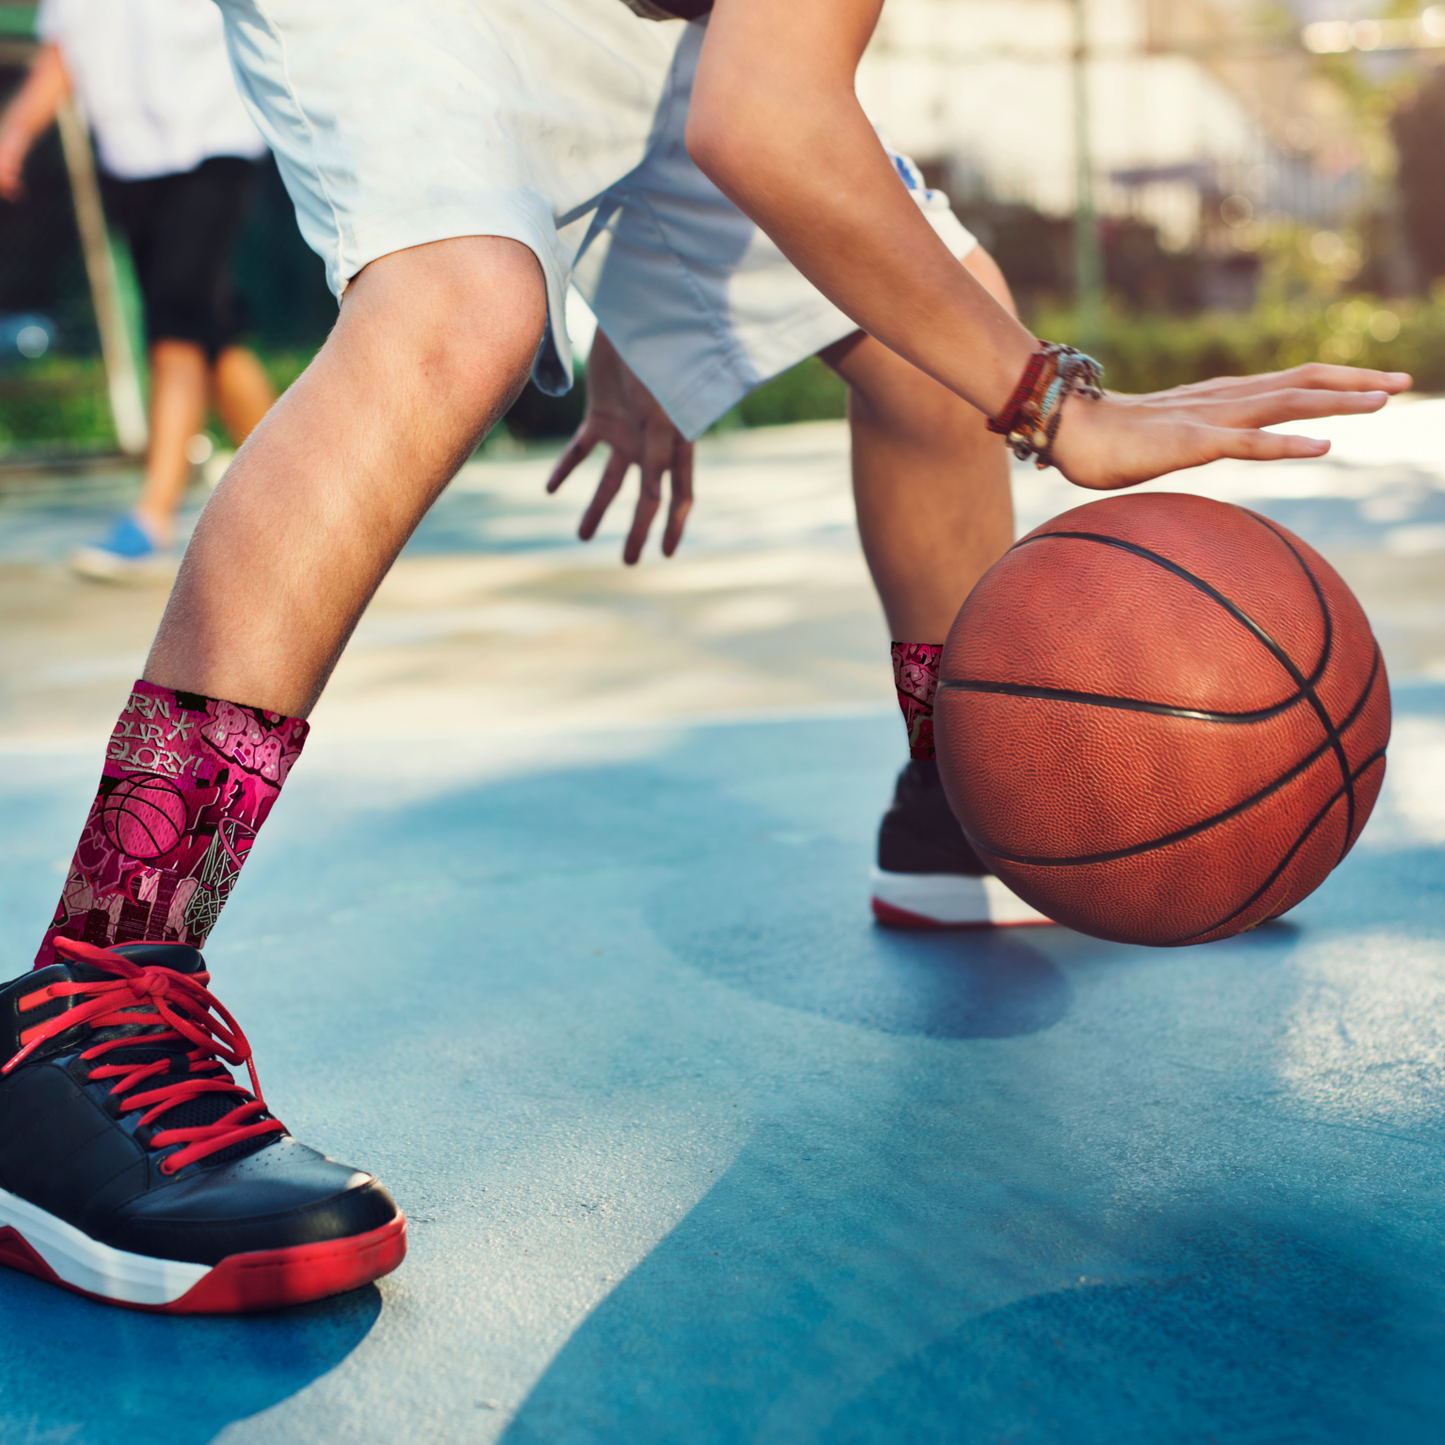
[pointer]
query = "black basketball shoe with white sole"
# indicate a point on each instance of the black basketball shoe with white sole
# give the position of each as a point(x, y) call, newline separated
point(928, 876)
point(135, 1170)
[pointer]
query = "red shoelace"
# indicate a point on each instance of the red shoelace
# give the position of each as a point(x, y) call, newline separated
point(188, 1013)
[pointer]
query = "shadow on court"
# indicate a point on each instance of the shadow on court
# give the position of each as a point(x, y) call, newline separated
point(1139, 1232)
point(1262, 1329)
point(761, 927)
point(694, 1153)
point(75, 1371)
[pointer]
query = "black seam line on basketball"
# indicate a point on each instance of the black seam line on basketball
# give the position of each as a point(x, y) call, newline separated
point(1213, 593)
point(1240, 615)
point(1328, 621)
point(1284, 862)
point(1203, 826)
point(1123, 704)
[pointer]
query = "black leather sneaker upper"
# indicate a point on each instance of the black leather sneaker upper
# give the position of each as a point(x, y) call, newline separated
point(72, 1145)
point(919, 833)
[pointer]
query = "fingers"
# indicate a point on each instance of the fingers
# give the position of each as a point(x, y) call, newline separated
point(578, 450)
point(663, 451)
point(681, 503)
point(1314, 376)
point(1320, 376)
point(1264, 446)
point(1103, 446)
point(1281, 406)
point(656, 459)
point(607, 489)
point(648, 502)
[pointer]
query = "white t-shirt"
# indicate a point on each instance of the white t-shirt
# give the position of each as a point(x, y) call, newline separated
point(155, 82)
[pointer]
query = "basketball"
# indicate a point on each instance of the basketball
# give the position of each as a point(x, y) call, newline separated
point(1162, 719)
point(144, 816)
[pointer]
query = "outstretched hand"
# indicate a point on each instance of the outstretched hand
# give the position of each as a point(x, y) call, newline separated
point(1122, 440)
point(625, 415)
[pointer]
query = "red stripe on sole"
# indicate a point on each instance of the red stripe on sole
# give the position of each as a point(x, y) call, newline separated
point(244, 1283)
point(15, 1251)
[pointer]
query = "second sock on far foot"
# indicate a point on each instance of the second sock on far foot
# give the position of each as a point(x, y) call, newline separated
point(915, 676)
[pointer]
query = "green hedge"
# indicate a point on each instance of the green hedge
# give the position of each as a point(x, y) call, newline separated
point(811, 391)
point(1150, 353)
point(55, 399)
point(62, 398)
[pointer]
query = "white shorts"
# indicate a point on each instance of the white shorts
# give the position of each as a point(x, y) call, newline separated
point(559, 124)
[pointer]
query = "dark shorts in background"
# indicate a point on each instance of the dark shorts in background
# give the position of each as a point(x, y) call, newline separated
point(182, 229)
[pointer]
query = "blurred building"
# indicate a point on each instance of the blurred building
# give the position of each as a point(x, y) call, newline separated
point(1205, 115)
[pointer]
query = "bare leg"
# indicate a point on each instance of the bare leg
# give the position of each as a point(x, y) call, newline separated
point(242, 390)
point(931, 483)
point(431, 346)
point(178, 412)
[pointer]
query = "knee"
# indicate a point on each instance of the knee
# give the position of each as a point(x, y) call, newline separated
point(898, 401)
point(460, 319)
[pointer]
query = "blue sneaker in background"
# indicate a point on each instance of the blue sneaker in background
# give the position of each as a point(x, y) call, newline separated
point(126, 554)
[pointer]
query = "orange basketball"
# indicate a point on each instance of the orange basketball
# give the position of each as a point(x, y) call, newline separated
point(1162, 719)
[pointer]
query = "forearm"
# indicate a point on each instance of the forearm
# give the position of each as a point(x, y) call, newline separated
point(35, 104)
point(776, 125)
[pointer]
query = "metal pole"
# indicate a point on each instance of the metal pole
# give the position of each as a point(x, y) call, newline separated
point(1088, 262)
point(127, 406)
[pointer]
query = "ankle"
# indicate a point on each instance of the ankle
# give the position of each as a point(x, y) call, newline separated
point(915, 676)
point(187, 784)
point(159, 527)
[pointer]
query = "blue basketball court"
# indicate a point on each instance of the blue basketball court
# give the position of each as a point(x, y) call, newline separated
point(692, 1152)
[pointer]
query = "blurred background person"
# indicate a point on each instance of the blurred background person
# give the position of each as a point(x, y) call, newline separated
point(178, 159)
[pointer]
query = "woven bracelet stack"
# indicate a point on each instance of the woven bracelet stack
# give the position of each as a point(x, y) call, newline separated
point(1030, 421)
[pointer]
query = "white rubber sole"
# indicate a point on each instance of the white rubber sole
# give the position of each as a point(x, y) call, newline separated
point(949, 900)
point(39, 1244)
point(102, 566)
point(94, 1268)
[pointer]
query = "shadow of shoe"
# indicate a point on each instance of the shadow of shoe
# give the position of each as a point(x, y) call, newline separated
point(72, 1370)
point(757, 923)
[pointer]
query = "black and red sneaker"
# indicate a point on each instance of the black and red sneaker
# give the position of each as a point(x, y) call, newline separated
point(928, 875)
point(135, 1170)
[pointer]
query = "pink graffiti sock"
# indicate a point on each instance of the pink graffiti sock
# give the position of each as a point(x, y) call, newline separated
point(915, 675)
point(188, 782)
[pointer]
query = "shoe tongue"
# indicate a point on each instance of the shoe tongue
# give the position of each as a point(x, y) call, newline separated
point(178, 957)
point(174, 957)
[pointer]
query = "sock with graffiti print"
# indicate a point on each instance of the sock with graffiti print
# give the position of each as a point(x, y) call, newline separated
point(188, 782)
point(915, 677)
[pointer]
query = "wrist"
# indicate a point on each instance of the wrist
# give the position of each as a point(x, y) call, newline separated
point(1089, 444)
point(1031, 417)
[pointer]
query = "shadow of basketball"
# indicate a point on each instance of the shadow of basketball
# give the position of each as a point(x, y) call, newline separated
point(756, 922)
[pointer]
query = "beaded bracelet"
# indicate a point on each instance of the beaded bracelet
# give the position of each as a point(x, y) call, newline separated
point(1030, 421)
